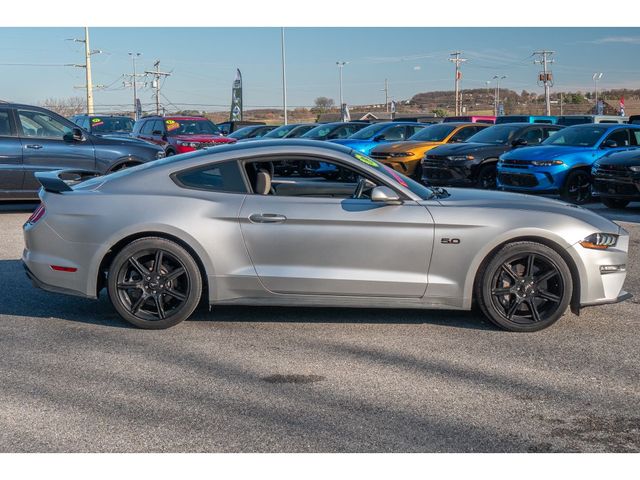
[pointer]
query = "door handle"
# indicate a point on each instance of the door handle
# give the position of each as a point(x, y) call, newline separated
point(267, 218)
point(34, 146)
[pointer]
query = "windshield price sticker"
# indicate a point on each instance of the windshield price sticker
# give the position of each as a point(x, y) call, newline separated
point(171, 124)
point(96, 122)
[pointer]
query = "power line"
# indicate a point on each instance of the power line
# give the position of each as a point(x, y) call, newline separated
point(157, 74)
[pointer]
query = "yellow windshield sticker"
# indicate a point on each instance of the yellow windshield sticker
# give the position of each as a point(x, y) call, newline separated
point(171, 124)
point(96, 122)
point(367, 160)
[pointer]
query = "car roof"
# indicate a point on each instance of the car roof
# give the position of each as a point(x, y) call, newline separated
point(609, 126)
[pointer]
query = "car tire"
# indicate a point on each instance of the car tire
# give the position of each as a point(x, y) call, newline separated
point(577, 187)
point(524, 287)
point(614, 202)
point(154, 283)
point(486, 178)
point(170, 153)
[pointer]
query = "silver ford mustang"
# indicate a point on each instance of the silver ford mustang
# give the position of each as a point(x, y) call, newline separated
point(223, 225)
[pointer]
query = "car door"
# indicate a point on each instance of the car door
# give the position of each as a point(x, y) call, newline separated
point(44, 148)
point(326, 245)
point(11, 168)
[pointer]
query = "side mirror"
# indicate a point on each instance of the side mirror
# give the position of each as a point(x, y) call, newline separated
point(520, 142)
point(610, 144)
point(75, 135)
point(385, 195)
point(378, 138)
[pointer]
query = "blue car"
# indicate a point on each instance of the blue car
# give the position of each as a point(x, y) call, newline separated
point(369, 137)
point(527, 119)
point(562, 164)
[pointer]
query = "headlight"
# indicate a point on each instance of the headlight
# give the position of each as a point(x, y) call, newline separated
point(546, 163)
point(461, 158)
point(189, 144)
point(402, 154)
point(600, 241)
point(635, 168)
point(160, 154)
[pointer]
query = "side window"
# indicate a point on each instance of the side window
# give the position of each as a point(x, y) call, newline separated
point(146, 127)
point(413, 129)
point(84, 123)
point(394, 133)
point(39, 124)
point(462, 134)
point(547, 132)
point(620, 136)
point(635, 137)
point(5, 124)
point(331, 180)
point(158, 126)
point(221, 177)
point(533, 136)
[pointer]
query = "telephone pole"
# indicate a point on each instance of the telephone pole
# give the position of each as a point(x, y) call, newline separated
point(496, 98)
point(157, 75)
point(386, 95)
point(455, 58)
point(134, 82)
point(545, 77)
point(87, 66)
point(596, 77)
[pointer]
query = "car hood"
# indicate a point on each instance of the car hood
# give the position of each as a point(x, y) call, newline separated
point(405, 146)
point(627, 158)
point(203, 138)
point(122, 136)
point(466, 148)
point(545, 152)
point(125, 141)
point(469, 197)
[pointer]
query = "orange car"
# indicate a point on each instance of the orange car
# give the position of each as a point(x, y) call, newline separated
point(405, 156)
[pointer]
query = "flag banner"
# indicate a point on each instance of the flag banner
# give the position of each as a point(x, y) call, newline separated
point(622, 107)
point(138, 113)
point(346, 116)
point(600, 108)
point(236, 98)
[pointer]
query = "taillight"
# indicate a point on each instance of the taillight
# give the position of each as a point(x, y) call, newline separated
point(37, 214)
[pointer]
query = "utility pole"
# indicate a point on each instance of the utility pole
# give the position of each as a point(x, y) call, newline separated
point(87, 66)
point(341, 65)
point(157, 75)
point(545, 77)
point(496, 98)
point(455, 58)
point(284, 78)
point(134, 83)
point(596, 77)
point(386, 95)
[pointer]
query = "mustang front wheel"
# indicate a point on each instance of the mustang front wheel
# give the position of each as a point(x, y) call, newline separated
point(154, 283)
point(525, 287)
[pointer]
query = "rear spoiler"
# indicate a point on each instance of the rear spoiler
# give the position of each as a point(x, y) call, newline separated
point(59, 181)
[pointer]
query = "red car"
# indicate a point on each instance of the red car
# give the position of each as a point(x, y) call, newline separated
point(178, 134)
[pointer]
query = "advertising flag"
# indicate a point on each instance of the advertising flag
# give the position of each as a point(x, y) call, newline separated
point(622, 106)
point(236, 98)
point(138, 114)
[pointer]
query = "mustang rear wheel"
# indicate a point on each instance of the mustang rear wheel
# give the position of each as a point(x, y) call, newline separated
point(525, 287)
point(154, 283)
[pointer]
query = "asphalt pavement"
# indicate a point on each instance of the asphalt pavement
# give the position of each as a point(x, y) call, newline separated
point(75, 378)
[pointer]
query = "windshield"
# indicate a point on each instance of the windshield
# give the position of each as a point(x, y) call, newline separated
point(578, 136)
point(417, 188)
point(497, 135)
point(280, 132)
point(193, 126)
point(241, 133)
point(320, 131)
point(111, 125)
point(434, 133)
point(368, 132)
point(300, 131)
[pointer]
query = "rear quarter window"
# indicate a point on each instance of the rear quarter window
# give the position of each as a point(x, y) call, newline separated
point(219, 177)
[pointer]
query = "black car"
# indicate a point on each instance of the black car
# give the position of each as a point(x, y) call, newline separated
point(473, 163)
point(34, 139)
point(105, 125)
point(334, 130)
point(299, 130)
point(252, 132)
point(616, 178)
point(229, 127)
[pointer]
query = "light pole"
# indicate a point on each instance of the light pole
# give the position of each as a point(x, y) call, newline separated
point(497, 78)
point(596, 76)
point(340, 67)
point(284, 77)
point(135, 92)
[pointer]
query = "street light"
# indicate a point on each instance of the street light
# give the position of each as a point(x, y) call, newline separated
point(135, 93)
point(497, 78)
point(596, 76)
point(340, 67)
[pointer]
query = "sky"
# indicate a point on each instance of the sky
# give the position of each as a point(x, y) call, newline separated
point(203, 62)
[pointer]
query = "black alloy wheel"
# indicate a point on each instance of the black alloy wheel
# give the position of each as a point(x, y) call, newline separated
point(154, 283)
point(525, 287)
point(486, 179)
point(577, 187)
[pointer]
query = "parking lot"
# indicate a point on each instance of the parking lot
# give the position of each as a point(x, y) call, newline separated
point(74, 377)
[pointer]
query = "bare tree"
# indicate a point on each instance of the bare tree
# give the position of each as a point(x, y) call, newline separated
point(322, 104)
point(66, 106)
